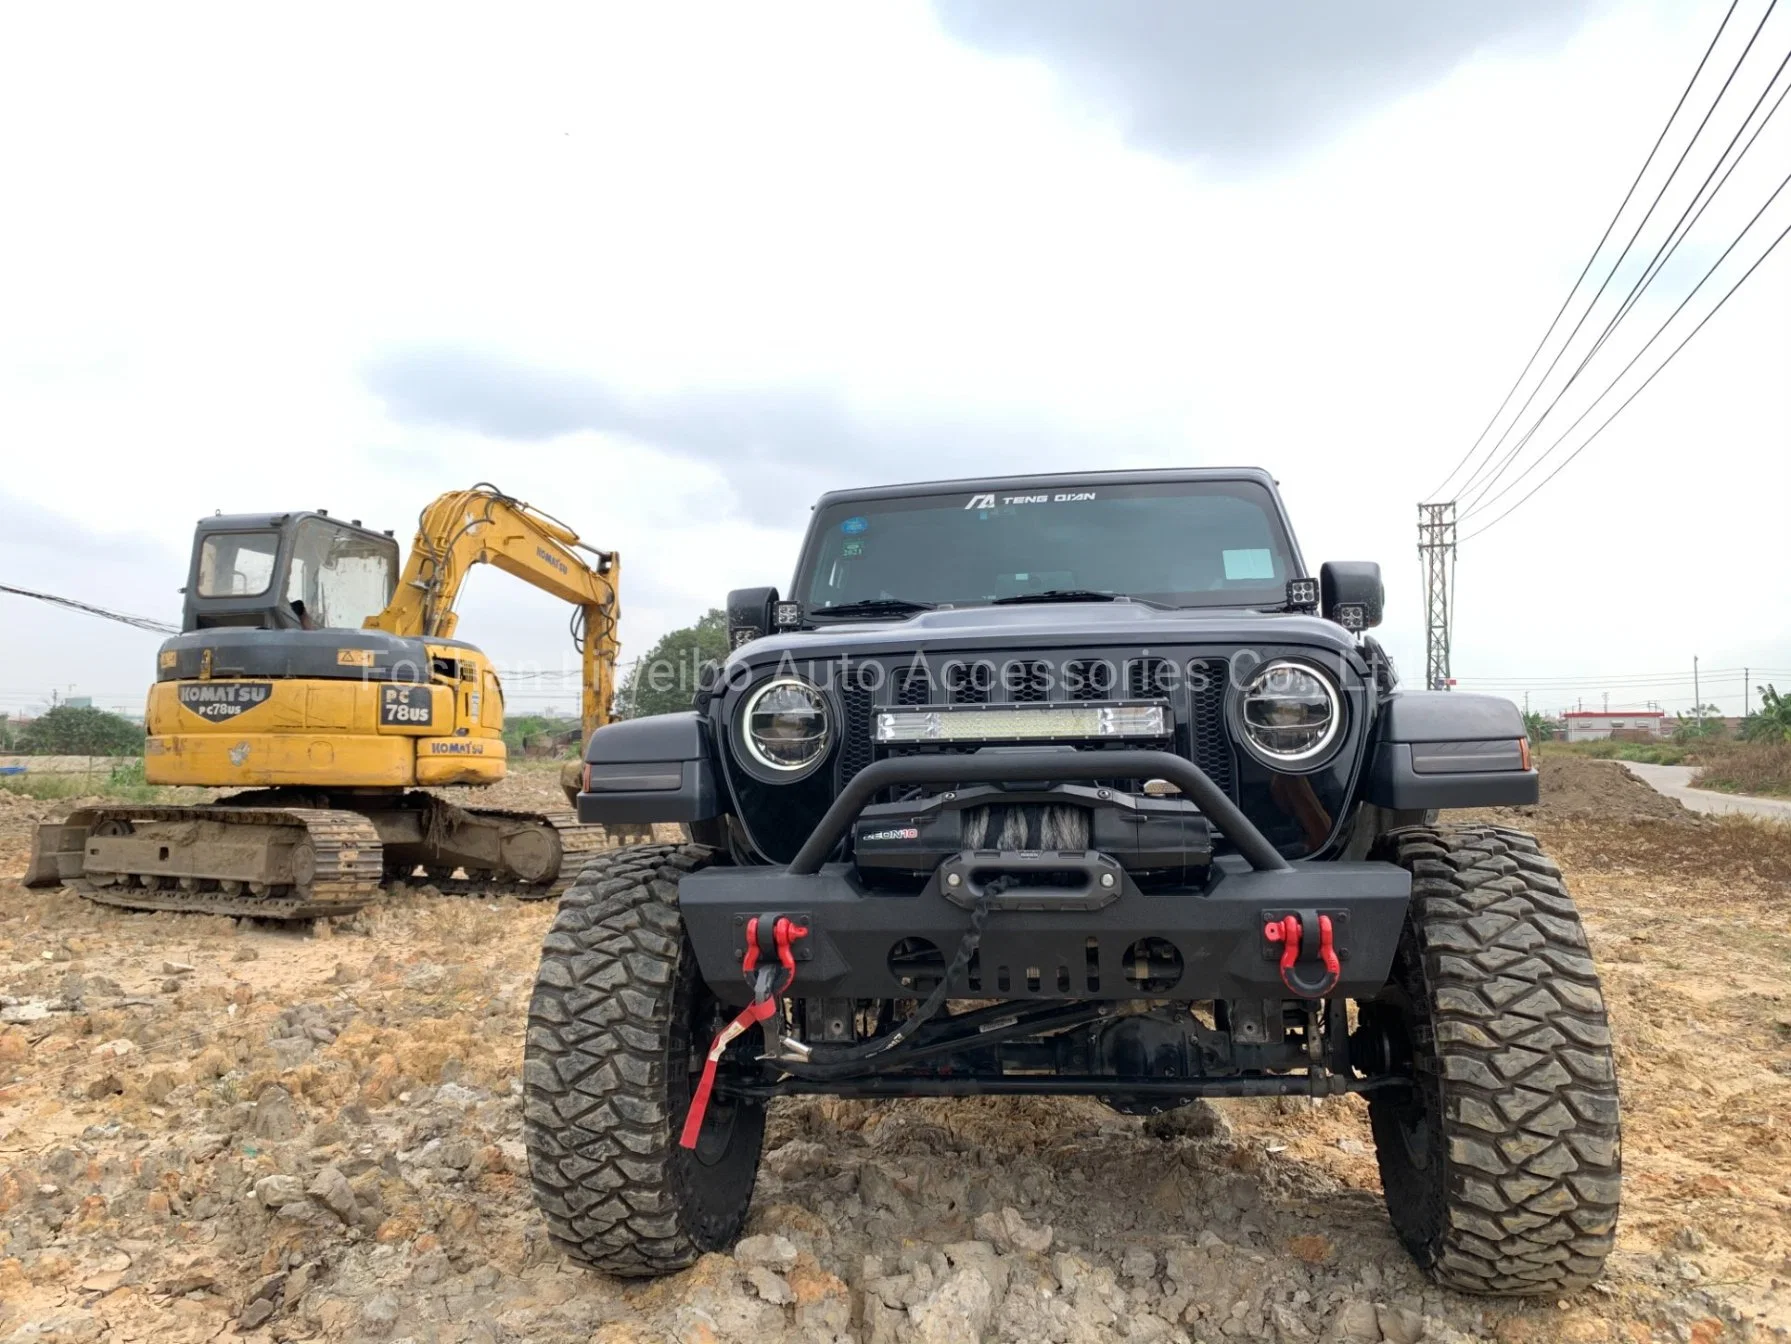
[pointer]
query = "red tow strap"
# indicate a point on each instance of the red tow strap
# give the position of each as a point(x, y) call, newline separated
point(784, 934)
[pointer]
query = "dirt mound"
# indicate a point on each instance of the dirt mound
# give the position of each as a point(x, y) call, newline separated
point(1577, 789)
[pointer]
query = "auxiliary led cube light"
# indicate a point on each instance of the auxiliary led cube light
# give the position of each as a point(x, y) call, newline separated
point(1022, 723)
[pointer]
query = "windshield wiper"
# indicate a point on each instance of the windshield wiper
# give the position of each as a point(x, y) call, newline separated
point(875, 606)
point(1056, 595)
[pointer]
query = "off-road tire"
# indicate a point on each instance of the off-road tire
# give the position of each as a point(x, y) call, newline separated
point(618, 1027)
point(1501, 1166)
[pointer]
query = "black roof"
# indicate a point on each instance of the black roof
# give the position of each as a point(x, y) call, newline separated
point(1021, 481)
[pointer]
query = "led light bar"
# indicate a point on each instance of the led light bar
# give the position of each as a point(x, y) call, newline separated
point(1021, 723)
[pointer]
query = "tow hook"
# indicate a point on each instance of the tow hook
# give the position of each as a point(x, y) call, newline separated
point(1309, 964)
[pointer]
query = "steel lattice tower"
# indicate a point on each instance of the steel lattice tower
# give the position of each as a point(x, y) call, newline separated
point(1436, 551)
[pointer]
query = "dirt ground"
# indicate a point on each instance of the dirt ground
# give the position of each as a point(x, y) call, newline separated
point(211, 1128)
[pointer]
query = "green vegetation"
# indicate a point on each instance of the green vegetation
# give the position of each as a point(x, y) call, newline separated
point(665, 680)
point(79, 730)
point(1539, 726)
point(1772, 721)
point(1759, 767)
point(123, 782)
point(1608, 749)
point(540, 735)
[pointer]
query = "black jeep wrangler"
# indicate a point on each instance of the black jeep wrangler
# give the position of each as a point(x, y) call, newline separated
point(1072, 784)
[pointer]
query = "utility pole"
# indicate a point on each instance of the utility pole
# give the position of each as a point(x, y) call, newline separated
point(1607, 702)
point(1436, 553)
point(1697, 695)
point(1747, 691)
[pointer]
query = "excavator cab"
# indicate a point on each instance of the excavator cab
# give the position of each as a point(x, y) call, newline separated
point(288, 571)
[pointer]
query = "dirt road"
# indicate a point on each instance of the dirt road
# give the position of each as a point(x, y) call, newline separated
point(1675, 781)
point(210, 1128)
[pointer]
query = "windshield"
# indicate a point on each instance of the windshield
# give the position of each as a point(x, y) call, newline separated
point(340, 577)
point(1182, 543)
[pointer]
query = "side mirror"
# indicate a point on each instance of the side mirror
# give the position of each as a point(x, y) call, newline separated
point(750, 614)
point(1351, 593)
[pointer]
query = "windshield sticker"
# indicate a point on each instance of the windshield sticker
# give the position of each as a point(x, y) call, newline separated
point(853, 526)
point(1251, 564)
point(851, 549)
point(1003, 501)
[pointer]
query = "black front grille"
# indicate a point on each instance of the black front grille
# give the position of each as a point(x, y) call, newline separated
point(1197, 699)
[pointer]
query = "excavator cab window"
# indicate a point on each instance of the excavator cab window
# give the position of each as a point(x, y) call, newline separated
point(237, 564)
point(340, 575)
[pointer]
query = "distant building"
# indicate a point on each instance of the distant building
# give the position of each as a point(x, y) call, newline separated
point(1588, 725)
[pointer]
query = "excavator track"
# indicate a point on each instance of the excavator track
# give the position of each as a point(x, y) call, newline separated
point(578, 842)
point(332, 860)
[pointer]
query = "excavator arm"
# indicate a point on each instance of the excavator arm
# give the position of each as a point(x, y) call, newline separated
point(484, 526)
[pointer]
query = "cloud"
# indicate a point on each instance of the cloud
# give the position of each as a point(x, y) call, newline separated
point(777, 447)
point(1236, 85)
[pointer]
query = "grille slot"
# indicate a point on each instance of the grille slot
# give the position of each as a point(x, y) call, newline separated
point(856, 748)
point(1211, 743)
point(970, 683)
point(914, 686)
point(1150, 678)
point(1027, 683)
point(1090, 679)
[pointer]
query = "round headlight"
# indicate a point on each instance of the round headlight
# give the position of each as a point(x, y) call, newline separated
point(1290, 714)
point(784, 725)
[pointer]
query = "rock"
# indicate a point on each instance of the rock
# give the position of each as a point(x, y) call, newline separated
point(1290, 1326)
point(176, 968)
point(980, 1256)
point(275, 1116)
point(1400, 1325)
point(796, 1159)
point(255, 1314)
point(331, 1189)
point(276, 1190)
point(771, 1252)
point(1197, 1120)
point(379, 1313)
point(106, 1085)
point(1138, 1264)
point(115, 1049)
point(20, 1013)
point(1010, 1231)
point(1690, 1239)
point(958, 1312)
point(458, 1094)
point(1354, 1323)
point(769, 1285)
point(245, 954)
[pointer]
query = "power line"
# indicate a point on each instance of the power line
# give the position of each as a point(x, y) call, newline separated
point(1504, 463)
point(1587, 268)
point(1626, 368)
point(139, 622)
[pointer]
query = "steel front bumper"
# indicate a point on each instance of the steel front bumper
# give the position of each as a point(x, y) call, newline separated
point(1187, 944)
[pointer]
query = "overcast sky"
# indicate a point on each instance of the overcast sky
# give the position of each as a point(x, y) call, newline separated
point(671, 270)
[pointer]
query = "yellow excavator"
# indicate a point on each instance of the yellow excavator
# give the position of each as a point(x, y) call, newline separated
point(326, 683)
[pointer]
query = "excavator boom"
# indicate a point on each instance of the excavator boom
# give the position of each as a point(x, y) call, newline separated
point(464, 528)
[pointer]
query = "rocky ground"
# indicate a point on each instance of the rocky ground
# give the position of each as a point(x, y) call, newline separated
point(212, 1128)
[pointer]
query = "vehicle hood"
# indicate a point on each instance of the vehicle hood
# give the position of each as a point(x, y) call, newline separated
point(1046, 625)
